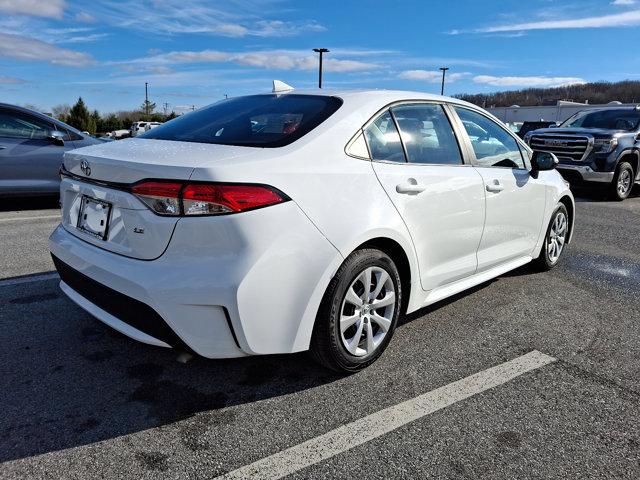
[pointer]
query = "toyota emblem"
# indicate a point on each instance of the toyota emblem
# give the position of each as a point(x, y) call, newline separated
point(84, 166)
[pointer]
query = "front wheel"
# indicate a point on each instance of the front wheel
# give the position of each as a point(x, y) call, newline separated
point(622, 181)
point(358, 313)
point(555, 239)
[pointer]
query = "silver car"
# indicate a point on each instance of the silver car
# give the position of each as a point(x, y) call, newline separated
point(31, 149)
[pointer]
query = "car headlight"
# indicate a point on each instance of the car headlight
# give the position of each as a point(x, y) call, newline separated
point(605, 145)
point(527, 138)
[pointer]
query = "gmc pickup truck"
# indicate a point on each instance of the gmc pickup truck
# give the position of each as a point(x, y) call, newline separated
point(597, 147)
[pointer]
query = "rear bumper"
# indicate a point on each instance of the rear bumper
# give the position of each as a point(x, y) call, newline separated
point(583, 174)
point(225, 287)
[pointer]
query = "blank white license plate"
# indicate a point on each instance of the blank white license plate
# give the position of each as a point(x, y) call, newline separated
point(94, 217)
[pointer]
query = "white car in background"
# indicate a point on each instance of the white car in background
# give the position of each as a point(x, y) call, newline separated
point(291, 221)
point(138, 128)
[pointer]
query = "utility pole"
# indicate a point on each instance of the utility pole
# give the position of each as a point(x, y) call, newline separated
point(320, 51)
point(444, 70)
point(146, 98)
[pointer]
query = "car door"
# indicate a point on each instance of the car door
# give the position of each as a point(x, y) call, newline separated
point(418, 161)
point(29, 160)
point(515, 201)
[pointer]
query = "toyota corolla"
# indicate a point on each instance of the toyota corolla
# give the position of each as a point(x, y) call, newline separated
point(295, 221)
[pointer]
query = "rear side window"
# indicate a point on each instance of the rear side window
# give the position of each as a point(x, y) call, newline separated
point(251, 121)
point(427, 134)
point(383, 139)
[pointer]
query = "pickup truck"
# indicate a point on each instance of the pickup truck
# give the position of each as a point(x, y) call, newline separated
point(596, 148)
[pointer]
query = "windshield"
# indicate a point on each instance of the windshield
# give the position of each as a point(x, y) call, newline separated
point(252, 121)
point(607, 119)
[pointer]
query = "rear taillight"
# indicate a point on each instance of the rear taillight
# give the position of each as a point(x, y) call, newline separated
point(161, 197)
point(173, 198)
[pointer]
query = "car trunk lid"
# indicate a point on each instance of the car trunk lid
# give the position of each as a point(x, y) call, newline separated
point(98, 206)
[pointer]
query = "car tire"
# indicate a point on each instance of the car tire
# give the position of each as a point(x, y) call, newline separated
point(554, 240)
point(347, 347)
point(622, 181)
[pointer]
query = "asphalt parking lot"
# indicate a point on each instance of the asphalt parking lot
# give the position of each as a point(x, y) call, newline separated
point(532, 375)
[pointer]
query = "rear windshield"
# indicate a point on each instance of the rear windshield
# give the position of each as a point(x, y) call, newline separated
point(616, 119)
point(251, 121)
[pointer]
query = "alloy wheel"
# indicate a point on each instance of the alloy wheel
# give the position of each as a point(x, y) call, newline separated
point(557, 236)
point(624, 182)
point(367, 311)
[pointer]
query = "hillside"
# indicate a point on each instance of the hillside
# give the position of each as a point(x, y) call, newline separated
point(627, 91)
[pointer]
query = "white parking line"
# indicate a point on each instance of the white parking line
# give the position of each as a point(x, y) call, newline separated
point(32, 278)
point(41, 217)
point(372, 426)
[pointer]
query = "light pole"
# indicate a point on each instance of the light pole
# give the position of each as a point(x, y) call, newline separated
point(146, 98)
point(444, 70)
point(320, 51)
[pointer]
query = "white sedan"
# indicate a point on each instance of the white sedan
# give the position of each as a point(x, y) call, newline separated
point(295, 221)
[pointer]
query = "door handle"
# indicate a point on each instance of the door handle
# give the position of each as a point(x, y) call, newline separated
point(495, 186)
point(2, 147)
point(410, 187)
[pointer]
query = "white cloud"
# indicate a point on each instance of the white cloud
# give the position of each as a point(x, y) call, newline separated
point(625, 19)
point(238, 18)
point(431, 76)
point(11, 81)
point(85, 17)
point(273, 60)
point(29, 49)
point(36, 8)
point(623, 2)
point(527, 81)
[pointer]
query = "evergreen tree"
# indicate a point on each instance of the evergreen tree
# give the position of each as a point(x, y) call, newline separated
point(80, 117)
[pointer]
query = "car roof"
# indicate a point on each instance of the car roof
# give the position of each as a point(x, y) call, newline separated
point(381, 95)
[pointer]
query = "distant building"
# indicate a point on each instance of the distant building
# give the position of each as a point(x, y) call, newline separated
point(553, 113)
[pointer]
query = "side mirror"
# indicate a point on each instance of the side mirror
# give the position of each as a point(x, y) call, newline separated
point(56, 137)
point(541, 161)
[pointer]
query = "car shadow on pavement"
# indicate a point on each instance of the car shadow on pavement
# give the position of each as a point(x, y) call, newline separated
point(29, 203)
point(68, 380)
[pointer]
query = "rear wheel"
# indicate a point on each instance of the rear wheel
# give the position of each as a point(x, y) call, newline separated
point(555, 239)
point(622, 181)
point(358, 313)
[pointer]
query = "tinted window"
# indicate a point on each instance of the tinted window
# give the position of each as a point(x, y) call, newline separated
point(383, 139)
point(427, 134)
point(616, 119)
point(492, 144)
point(255, 121)
point(15, 124)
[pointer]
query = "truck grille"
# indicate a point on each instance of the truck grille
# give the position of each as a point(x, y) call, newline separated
point(564, 146)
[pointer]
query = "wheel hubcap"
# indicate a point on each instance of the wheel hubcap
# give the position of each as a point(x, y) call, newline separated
point(556, 238)
point(367, 311)
point(624, 182)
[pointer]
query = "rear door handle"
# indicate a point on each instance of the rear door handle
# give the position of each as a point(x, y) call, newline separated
point(410, 187)
point(2, 147)
point(495, 186)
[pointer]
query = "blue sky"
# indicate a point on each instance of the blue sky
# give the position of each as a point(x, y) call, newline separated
point(193, 52)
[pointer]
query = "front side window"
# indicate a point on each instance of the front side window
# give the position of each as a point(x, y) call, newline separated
point(383, 139)
point(492, 144)
point(251, 121)
point(21, 125)
point(427, 134)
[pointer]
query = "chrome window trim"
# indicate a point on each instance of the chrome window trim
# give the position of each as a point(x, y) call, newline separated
point(465, 160)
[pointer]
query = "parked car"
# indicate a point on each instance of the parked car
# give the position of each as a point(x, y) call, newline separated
point(138, 128)
point(596, 148)
point(284, 222)
point(527, 127)
point(31, 149)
